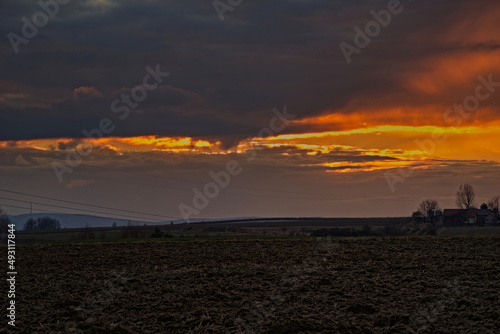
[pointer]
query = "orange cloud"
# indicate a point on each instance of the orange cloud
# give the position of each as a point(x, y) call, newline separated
point(86, 91)
point(475, 23)
point(470, 47)
point(118, 144)
point(415, 116)
point(403, 143)
point(78, 183)
point(438, 74)
point(388, 146)
point(177, 144)
point(350, 167)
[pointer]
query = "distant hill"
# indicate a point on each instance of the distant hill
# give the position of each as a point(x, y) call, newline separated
point(74, 221)
point(78, 221)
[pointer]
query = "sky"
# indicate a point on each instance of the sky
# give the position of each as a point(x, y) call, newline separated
point(214, 109)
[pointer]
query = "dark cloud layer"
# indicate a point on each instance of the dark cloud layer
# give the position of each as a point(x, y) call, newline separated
point(225, 76)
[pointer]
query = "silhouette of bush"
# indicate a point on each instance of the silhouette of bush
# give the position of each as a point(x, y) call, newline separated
point(367, 229)
point(30, 224)
point(4, 224)
point(43, 223)
point(159, 234)
point(339, 232)
point(390, 230)
point(87, 233)
point(130, 231)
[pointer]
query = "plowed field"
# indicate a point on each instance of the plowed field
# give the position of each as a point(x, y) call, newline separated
point(365, 285)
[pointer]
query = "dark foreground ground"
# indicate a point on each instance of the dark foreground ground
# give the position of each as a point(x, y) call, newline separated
point(363, 285)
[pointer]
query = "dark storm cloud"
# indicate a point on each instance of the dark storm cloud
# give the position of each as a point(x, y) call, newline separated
point(166, 111)
point(225, 77)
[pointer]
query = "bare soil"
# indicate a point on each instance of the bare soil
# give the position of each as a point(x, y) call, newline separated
point(357, 285)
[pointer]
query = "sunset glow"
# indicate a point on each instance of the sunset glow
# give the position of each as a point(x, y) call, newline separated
point(231, 166)
point(275, 97)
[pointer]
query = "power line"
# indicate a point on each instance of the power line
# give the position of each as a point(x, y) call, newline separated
point(192, 182)
point(84, 204)
point(185, 189)
point(77, 209)
point(21, 207)
point(60, 213)
point(142, 174)
point(323, 196)
point(331, 196)
point(198, 182)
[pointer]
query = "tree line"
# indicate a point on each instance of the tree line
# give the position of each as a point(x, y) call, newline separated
point(42, 223)
point(465, 198)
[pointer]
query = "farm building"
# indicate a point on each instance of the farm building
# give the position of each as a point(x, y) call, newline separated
point(459, 217)
point(492, 218)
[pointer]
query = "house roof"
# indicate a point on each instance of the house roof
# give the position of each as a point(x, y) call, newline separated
point(469, 212)
point(472, 213)
point(450, 212)
point(483, 212)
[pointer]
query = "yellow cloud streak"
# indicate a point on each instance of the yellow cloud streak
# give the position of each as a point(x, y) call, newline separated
point(400, 142)
point(140, 143)
point(396, 145)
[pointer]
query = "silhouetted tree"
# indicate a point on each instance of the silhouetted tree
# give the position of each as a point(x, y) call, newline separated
point(130, 231)
point(484, 206)
point(157, 233)
point(466, 196)
point(367, 229)
point(493, 203)
point(42, 223)
point(30, 224)
point(428, 204)
point(45, 223)
point(417, 217)
point(4, 223)
point(88, 233)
